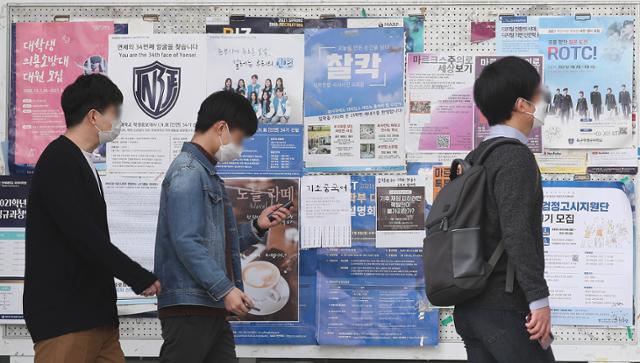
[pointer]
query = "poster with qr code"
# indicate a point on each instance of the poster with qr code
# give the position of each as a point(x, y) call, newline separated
point(440, 97)
point(353, 99)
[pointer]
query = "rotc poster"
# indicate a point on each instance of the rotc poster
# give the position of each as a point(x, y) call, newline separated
point(353, 99)
point(588, 68)
point(161, 78)
point(13, 211)
point(480, 124)
point(440, 98)
point(589, 252)
point(268, 69)
point(46, 58)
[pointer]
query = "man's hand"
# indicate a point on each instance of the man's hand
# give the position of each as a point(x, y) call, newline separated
point(237, 302)
point(539, 326)
point(279, 214)
point(154, 289)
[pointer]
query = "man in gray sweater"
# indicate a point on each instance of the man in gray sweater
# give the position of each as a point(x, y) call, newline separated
point(501, 326)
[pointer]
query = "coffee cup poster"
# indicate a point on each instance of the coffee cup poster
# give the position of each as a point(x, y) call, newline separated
point(588, 73)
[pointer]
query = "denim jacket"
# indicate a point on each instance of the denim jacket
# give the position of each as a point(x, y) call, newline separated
point(190, 238)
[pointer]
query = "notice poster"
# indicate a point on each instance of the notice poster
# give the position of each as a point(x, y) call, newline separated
point(440, 98)
point(13, 211)
point(270, 270)
point(554, 161)
point(400, 211)
point(588, 68)
point(480, 124)
point(254, 25)
point(614, 161)
point(46, 58)
point(588, 236)
point(365, 68)
point(163, 82)
point(326, 211)
point(363, 209)
point(268, 69)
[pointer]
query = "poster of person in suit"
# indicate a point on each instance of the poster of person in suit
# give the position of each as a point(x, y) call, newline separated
point(591, 54)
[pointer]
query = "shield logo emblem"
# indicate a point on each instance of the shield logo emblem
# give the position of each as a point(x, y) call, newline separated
point(156, 88)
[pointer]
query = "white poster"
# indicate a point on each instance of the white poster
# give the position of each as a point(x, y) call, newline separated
point(11, 301)
point(326, 211)
point(400, 211)
point(588, 238)
point(163, 80)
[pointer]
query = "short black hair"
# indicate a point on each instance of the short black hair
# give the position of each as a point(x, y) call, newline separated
point(500, 84)
point(565, 89)
point(231, 107)
point(88, 92)
point(254, 76)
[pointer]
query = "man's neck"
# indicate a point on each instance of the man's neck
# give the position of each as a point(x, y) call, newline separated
point(78, 137)
point(518, 126)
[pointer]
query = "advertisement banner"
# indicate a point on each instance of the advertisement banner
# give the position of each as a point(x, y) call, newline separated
point(588, 69)
point(364, 67)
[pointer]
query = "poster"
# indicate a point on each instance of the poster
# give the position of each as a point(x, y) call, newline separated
point(400, 211)
point(276, 261)
point(440, 98)
point(372, 296)
point(326, 211)
point(365, 68)
point(14, 191)
point(555, 161)
point(161, 78)
point(254, 25)
point(614, 161)
point(588, 68)
point(46, 58)
point(481, 126)
point(589, 252)
point(268, 69)
point(132, 214)
point(482, 31)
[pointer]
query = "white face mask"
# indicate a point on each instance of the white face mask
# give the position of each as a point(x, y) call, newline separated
point(228, 152)
point(539, 114)
point(108, 136)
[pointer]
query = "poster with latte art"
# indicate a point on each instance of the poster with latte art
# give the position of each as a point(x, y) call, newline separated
point(269, 269)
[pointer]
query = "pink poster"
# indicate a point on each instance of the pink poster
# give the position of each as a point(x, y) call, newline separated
point(48, 57)
point(440, 99)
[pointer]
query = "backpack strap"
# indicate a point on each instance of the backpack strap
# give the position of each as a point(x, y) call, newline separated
point(498, 141)
point(493, 260)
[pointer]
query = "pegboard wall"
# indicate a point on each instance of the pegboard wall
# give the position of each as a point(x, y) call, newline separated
point(447, 28)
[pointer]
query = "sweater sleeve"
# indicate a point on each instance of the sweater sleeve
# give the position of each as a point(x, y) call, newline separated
point(64, 199)
point(516, 185)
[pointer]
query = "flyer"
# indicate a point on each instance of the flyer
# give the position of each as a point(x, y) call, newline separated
point(555, 161)
point(614, 161)
point(363, 210)
point(14, 191)
point(254, 25)
point(326, 211)
point(589, 252)
point(270, 270)
point(46, 58)
point(353, 99)
point(588, 68)
point(481, 126)
point(161, 78)
point(268, 69)
point(400, 211)
point(374, 297)
point(440, 98)
point(482, 31)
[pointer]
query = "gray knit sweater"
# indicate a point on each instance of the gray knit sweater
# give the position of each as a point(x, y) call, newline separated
point(513, 214)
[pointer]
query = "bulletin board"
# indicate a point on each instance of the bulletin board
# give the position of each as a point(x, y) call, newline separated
point(447, 28)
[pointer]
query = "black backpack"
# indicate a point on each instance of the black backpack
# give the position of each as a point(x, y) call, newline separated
point(455, 269)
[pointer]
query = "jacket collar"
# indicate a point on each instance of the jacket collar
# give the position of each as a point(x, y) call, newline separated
point(198, 155)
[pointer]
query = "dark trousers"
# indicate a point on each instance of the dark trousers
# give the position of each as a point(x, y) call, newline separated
point(498, 336)
point(197, 339)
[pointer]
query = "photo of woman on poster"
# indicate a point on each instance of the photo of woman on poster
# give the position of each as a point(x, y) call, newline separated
point(268, 87)
point(241, 89)
point(255, 103)
point(266, 111)
point(280, 84)
point(228, 85)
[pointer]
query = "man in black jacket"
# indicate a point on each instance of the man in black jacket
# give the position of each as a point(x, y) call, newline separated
point(497, 325)
point(69, 293)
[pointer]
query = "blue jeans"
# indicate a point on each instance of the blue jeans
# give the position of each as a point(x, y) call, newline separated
point(498, 336)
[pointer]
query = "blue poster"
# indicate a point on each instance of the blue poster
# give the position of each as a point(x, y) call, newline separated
point(363, 210)
point(588, 75)
point(353, 99)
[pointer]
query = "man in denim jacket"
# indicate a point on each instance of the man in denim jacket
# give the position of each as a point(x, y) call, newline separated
point(198, 243)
